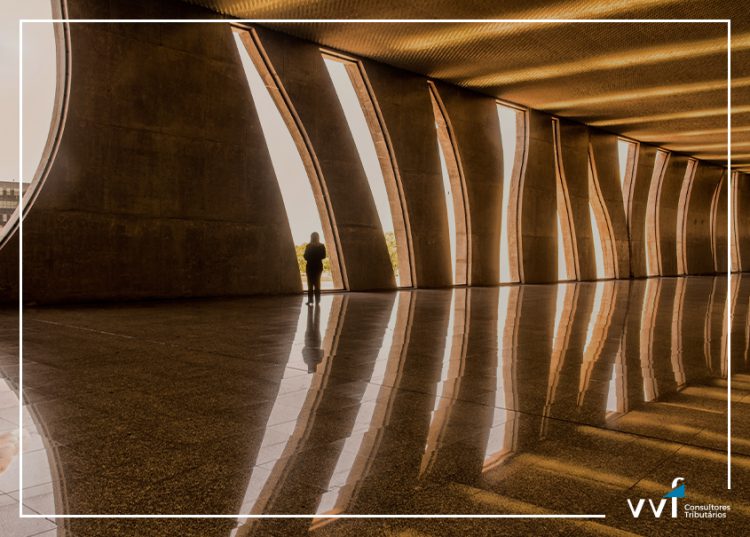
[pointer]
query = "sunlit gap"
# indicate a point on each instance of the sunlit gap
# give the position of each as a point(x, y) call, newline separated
point(508, 122)
point(279, 441)
point(562, 264)
point(353, 449)
point(355, 118)
point(448, 191)
point(39, 87)
point(593, 338)
point(299, 200)
point(623, 154)
point(450, 374)
point(598, 247)
point(501, 438)
point(612, 405)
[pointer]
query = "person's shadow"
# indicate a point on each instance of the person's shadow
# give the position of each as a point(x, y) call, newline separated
point(312, 353)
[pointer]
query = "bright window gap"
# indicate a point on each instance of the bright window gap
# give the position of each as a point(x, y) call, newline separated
point(294, 183)
point(355, 118)
point(508, 120)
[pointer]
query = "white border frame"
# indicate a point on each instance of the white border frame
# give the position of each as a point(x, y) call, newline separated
point(21, 22)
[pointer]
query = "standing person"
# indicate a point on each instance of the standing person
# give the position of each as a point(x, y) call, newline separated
point(315, 253)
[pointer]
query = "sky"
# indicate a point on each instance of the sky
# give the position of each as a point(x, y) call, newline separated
point(39, 84)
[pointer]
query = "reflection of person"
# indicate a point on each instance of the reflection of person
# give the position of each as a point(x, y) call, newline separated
point(312, 353)
point(314, 255)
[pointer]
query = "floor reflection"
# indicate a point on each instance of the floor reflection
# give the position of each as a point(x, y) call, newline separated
point(518, 399)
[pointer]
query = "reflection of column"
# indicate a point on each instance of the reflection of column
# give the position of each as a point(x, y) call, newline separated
point(264, 484)
point(375, 414)
point(631, 343)
point(572, 314)
point(454, 364)
point(676, 340)
point(647, 336)
point(532, 349)
point(458, 438)
point(714, 327)
point(693, 339)
point(502, 437)
point(606, 340)
point(409, 404)
point(358, 343)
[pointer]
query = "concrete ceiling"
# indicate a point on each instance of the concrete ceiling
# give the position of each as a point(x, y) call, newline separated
point(662, 83)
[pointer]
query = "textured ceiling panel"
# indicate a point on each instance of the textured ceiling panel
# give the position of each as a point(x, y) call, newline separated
point(657, 82)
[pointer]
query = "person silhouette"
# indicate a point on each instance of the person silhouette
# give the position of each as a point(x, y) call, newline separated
point(315, 253)
point(312, 352)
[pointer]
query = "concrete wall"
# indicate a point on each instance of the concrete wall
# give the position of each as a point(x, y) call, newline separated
point(162, 185)
point(476, 130)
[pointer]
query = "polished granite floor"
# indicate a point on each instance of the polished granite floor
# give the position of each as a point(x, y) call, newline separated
point(537, 399)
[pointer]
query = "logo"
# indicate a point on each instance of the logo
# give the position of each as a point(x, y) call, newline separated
point(689, 510)
point(678, 491)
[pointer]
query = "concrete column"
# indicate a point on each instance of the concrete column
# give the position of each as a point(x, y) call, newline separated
point(719, 225)
point(572, 143)
point(741, 184)
point(300, 72)
point(667, 202)
point(162, 185)
point(637, 208)
point(606, 177)
point(476, 139)
point(537, 233)
point(697, 223)
point(403, 103)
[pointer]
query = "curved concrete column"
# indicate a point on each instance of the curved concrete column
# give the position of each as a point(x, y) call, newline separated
point(405, 108)
point(719, 225)
point(477, 143)
point(604, 162)
point(300, 72)
point(537, 229)
point(637, 206)
point(162, 185)
point(741, 188)
point(696, 242)
point(571, 146)
point(666, 216)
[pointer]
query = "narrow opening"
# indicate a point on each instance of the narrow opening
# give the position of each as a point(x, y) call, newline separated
point(302, 208)
point(502, 435)
point(508, 132)
point(342, 73)
point(623, 155)
point(448, 192)
point(453, 190)
point(562, 265)
point(598, 248)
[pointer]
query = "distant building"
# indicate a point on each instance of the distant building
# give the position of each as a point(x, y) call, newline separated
point(8, 199)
